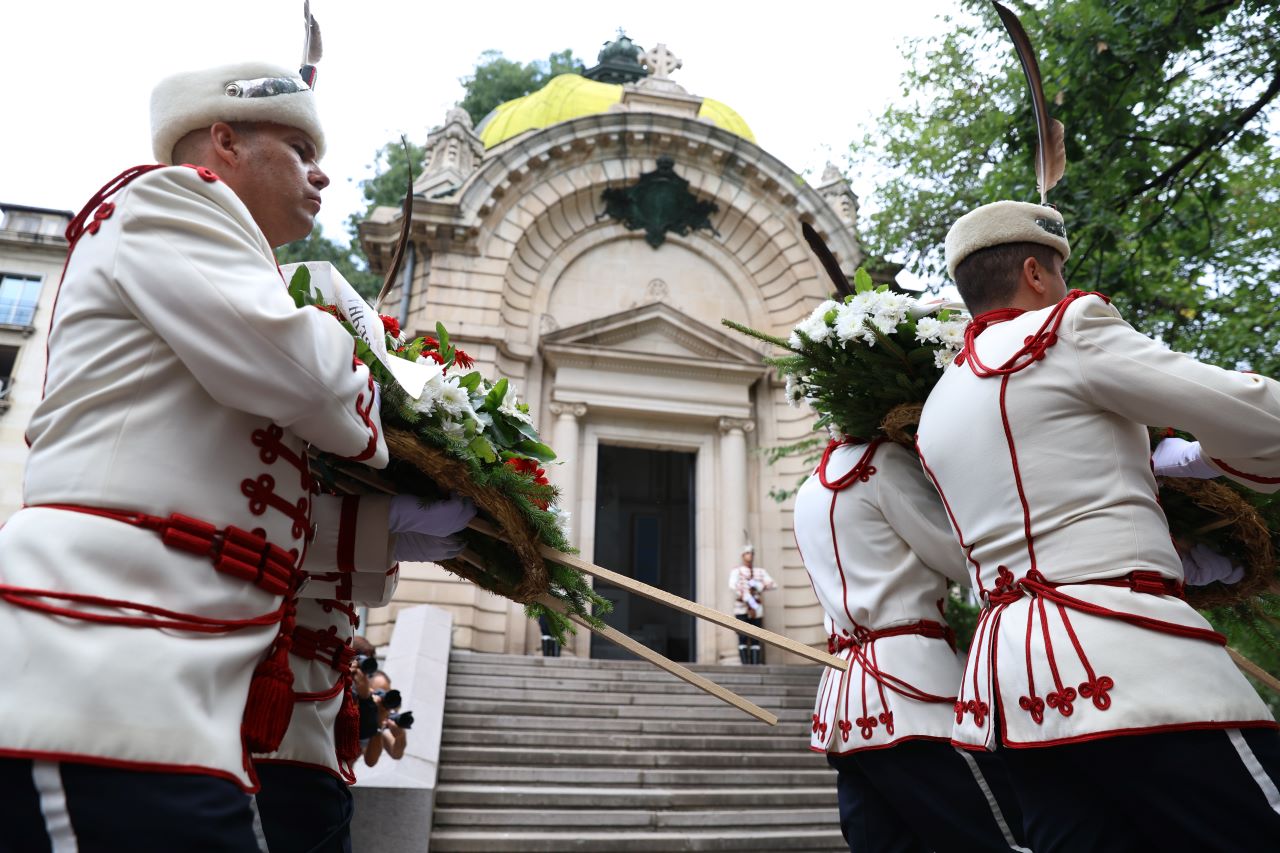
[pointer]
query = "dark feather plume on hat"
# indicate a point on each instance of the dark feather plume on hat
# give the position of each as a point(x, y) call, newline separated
point(1051, 151)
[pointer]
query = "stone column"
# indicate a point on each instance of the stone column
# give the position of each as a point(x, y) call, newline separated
point(733, 516)
point(564, 442)
point(567, 476)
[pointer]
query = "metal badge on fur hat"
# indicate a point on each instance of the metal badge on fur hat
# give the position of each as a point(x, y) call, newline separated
point(247, 91)
point(1005, 222)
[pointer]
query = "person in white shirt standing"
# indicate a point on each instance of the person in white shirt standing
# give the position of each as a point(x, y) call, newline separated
point(748, 583)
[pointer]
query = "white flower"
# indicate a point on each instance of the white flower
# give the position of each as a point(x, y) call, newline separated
point(431, 391)
point(454, 399)
point(929, 330)
point(953, 333)
point(850, 320)
point(814, 327)
point(510, 407)
point(943, 357)
point(890, 311)
point(794, 392)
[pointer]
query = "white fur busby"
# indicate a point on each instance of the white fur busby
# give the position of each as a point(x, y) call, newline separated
point(246, 91)
point(1005, 222)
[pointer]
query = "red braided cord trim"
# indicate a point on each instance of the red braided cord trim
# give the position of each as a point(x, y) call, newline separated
point(170, 619)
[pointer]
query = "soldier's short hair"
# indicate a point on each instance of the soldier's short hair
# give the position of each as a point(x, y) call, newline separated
point(988, 278)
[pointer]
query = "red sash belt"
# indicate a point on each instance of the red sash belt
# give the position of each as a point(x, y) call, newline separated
point(240, 553)
point(1008, 591)
point(862, 637)
point(234, 551)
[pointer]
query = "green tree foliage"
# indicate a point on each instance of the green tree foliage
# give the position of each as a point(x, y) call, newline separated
point(1173, 175)
point(348, 259)
point(498, 79)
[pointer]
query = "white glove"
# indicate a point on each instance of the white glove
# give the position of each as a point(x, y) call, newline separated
point(1176, 457)
point(1202, 566)
point(750, 600)
point(755, 586)
point(434, 518)
point(423, 548)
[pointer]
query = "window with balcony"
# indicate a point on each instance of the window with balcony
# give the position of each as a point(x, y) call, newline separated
point(18, 297)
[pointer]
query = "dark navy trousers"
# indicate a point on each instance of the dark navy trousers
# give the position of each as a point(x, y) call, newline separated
point(1201, 791)
point(925, 795)
point(53, 806)
point(303, 810)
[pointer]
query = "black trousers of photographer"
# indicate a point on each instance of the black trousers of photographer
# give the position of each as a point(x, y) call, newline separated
point(51, 806)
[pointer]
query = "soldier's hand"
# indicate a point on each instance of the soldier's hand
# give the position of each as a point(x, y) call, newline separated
point(434, 518)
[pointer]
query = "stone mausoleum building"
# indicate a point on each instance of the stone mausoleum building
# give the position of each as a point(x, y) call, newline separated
point(585, 241)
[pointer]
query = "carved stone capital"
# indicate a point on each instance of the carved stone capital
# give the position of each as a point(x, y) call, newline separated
point(573, 410)
point(741, 424)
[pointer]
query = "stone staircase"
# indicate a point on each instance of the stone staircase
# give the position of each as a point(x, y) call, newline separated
point(561, 754)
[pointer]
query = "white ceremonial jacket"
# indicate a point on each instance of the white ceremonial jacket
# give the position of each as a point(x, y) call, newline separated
point(346, 569)
point(879, 550)
point(1044, 466)
point(168, 500)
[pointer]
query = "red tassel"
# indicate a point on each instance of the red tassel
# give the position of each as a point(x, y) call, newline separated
point(270, 705)
point(347, 729)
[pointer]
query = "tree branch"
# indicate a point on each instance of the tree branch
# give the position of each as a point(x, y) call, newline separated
point(1210, 141)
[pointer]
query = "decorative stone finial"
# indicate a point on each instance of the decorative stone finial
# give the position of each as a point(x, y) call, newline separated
point(660, 62)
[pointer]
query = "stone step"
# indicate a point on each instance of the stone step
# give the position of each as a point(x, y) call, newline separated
point(595, 668)
point(571, 738)
point(519, 723)
point(637, 777)
point(487, 795)
point(601, 758)
point(618, 697)
point(478, 709)
point(647, 673)
point(479, 841)
point(550, 681)
point(520, 819)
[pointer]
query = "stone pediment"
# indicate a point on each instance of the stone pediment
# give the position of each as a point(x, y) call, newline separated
point(656, 330)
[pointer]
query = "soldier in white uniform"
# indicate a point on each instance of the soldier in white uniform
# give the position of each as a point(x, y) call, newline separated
point(1122, 719)
point(748, 583)
point(878, 548)
point(147, 585)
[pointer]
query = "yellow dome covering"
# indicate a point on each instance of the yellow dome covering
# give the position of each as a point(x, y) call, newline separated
point(570, 96)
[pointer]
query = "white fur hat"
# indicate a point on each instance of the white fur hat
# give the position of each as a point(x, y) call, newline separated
point(1005, 222)
point(245, 91)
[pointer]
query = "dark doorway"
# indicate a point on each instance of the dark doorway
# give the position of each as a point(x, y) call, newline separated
point(644, 529)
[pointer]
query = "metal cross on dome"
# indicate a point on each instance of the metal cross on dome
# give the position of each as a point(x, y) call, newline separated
point(661, 62)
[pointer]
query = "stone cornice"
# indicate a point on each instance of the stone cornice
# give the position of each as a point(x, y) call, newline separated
point(569, 355)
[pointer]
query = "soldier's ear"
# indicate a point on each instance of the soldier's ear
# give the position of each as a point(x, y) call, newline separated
point(227, 143)
point(1034, 274)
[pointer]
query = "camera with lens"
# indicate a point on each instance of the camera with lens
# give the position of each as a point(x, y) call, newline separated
point(368, 664)
point(391, 700)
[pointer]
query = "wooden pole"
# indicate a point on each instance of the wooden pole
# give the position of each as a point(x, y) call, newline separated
point(1253, 669)
point(683, 673)
point(676, 602)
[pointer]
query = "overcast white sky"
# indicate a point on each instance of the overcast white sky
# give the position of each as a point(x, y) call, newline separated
point(807, 77)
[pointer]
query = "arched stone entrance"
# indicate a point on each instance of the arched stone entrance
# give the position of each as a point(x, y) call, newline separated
point(618, 344)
